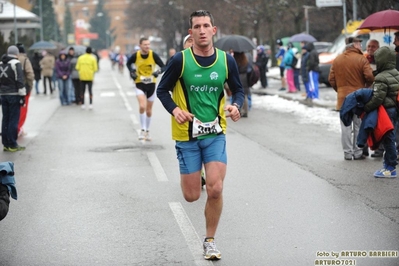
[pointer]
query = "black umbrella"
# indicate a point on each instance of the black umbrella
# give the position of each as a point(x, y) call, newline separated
point(43, 45)
point(237, 43)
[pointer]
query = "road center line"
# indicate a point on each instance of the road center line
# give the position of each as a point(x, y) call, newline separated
point(192, 239)
point(157, 167)
point(121, 93)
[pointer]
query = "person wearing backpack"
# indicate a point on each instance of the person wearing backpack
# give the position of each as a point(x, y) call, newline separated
point(289, 59)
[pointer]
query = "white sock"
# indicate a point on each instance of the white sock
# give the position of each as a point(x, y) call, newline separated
point(143, 121)
point(148, 122)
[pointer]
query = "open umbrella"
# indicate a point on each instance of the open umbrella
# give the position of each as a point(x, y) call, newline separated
point(237, 43)
point(43, 45)
point(302, 37)
point(79, 49)
point(382, 20)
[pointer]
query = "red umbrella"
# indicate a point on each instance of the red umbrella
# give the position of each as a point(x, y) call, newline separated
point(382, 20)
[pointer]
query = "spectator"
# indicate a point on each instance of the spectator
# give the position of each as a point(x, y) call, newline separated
point(71, 86)
point(289, 69)
point(47, 64)
point(13, 92)
point(349, 72)
point(37, 69)
point(27, 70)
point(75, 81)
point(313, 69)
point(280, 62)
point(262, 58)
point(87, 67)
point(385, 93)
point(372, 46)
point(62, 69)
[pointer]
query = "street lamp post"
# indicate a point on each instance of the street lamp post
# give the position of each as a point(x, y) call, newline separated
point(15, 23)
point(307, 17)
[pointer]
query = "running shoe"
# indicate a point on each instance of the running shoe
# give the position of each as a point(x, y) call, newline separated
point(14, 149)
point(147, 136)
point(388, 171)
point(210, 250)
point(142, 135)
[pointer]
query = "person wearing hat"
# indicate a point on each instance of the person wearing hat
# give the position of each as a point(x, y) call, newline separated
point(349, 72)
point(261, 61)
point(280, 62)
point(29, 75)
point(13, 92)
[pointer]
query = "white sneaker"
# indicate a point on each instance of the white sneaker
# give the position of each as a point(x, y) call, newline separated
point(147, 135)
point(210, 250)
point(90, 106)
point(83, 106)
point(142, 135)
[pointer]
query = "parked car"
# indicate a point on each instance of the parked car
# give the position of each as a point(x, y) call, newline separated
point(322, 47)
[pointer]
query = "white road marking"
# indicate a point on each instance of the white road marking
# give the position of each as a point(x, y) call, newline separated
point(135, 121)
point(156, 165)
point(107, 94)
point(192, 239)
point(121, 93)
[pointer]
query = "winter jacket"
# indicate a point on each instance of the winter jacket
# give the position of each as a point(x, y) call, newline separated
point(7, 187)
point(304, 70)
point(11, 76)
point(72, 67)
point(27, 69)
point(312, 63)
point(374, 125)
point(35, 60)
point(288, 58)
point(349, 72)
point(62, 67)
point(47, 65)
point(4, 201)
point(261, 61)
point(87, 66)
point(386, 85)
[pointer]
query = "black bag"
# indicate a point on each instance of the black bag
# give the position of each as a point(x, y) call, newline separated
point(294, 62)
point(253, 75)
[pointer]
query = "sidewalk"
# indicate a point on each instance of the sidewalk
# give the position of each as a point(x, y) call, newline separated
point(327, 95)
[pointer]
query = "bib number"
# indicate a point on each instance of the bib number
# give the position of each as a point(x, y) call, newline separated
point(205, 128)
point(145, 79)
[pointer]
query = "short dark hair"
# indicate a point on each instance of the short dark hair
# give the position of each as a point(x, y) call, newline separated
point(200, 13)
point(397, 34)
point(142, 39)
point(88, 50)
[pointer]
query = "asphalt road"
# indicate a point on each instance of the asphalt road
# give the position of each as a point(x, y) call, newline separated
point(90, 193)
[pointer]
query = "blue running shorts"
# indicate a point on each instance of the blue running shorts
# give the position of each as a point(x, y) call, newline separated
point(192, 154)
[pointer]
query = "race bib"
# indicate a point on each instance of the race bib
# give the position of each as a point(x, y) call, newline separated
point(145, 79)
point(205, 128)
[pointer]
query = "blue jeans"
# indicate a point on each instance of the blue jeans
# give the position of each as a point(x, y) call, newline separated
point(37, 86)
point(9, 126)
point(389, 141)
point(63, 85)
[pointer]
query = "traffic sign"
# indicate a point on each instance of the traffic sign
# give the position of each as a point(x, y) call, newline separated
point(326, 3)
